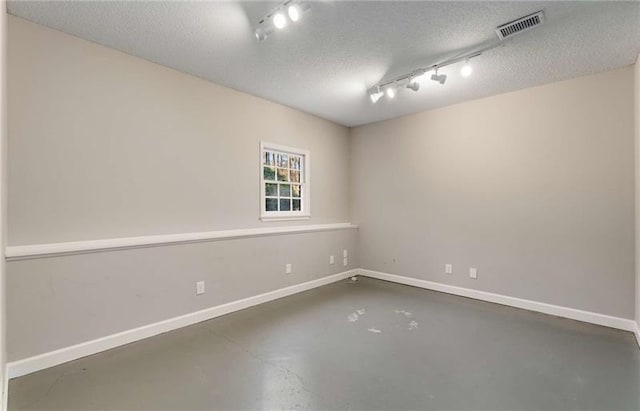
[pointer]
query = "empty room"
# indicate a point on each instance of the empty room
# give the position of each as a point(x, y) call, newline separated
point(320, 205)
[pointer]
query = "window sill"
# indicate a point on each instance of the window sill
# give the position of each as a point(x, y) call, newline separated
point(286, 218)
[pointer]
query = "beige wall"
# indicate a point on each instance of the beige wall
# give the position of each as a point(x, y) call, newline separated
point(637, 141)
point(3, 189)
point(104, 145)
point(535, 188)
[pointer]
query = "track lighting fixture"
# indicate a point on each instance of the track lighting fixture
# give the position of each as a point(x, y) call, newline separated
point(440, 78)
point(280, 17)
point(410, 80)
point(414, 80)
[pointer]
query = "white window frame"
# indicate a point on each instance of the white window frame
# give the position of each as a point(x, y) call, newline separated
point(305, 182)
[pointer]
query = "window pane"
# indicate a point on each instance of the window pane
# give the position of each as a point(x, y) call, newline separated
point(283, 174)
point(270, 189)
point(269, 173)
point(269, 158)
point(295, 176)
point(285, 190)
point(285, 204)
point(295, 204)
point(294, 162)
point(296, 190)
point(271, 204)
point(283, 160)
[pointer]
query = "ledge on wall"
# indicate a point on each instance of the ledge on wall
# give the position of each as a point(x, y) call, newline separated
point(77, 247)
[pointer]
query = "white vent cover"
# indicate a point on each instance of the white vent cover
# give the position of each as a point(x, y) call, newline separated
point(520, 25)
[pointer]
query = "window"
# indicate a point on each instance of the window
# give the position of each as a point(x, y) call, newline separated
point(284, 183)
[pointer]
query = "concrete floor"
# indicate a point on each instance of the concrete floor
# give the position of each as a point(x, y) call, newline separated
point(314, 351)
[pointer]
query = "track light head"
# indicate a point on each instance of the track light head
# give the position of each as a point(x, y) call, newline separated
point(279, 20)
point(391, 92)
point(375, 94)
point(263, 32)
point(294, 11)
point(466, 69)
point(440, 78)
point(413, 84)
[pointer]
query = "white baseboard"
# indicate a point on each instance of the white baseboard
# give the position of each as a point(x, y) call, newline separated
point(559, 311)
point(637, 332)
point(39, 362)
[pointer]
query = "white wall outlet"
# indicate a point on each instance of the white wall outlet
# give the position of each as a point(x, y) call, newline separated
point(473, 273)
point(287, 269)
point(200, 287)
point(345, 261)
point(345, 253)
point(332, 259)
point(448, 268)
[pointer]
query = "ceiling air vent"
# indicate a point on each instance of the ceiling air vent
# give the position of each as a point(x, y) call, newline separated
point(520, 25)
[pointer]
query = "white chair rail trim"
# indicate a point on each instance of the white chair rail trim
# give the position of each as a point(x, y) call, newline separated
point(20, 252)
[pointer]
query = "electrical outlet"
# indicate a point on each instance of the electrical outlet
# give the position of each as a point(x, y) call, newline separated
point(287, 269)
point(473, 273)
point(332, 259)
point(448, 269)
point(345, 261)
point(345, 253)
point(200, 287)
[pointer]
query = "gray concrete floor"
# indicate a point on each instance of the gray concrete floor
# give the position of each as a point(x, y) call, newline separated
point(303, 352)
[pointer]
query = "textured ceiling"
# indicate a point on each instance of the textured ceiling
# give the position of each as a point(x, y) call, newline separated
point(324, 64)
